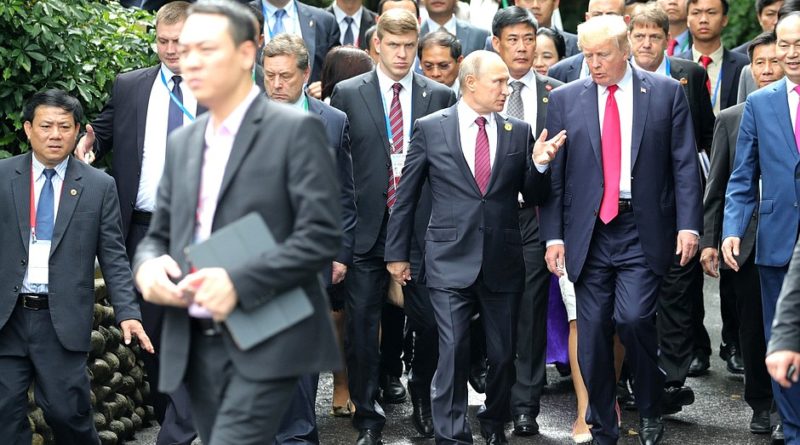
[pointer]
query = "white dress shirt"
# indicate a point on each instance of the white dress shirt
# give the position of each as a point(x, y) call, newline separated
point(714, 70)
point(624, 97)
point(155, 136)
point(793, 98)
point(468, 133)
point(528, 95)
point(38, 182)
point(450, 26)
point(355, 27)
point(291, 20)
point(387, 93)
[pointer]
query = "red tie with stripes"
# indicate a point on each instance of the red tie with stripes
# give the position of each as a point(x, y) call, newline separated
point(483, 167)
point(396, 141)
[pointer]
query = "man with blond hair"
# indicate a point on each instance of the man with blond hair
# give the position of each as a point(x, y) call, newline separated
point(614, 217)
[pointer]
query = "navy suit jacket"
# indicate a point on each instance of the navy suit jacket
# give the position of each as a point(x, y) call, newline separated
point(732, 64)
point(468, 233)
point(338, 131)
point(766, 150)
point(568, 69)
point(368, 20)
point(665, 177)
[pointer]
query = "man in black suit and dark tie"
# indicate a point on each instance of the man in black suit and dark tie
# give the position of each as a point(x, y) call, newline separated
point(626, 199)
point(381, 106)
point(247, 155)
point(145, 106)
point(354, 20)
point(441, 14)
point(473, 244)
point(59, 214)
point(286, 69)
point(514, 39)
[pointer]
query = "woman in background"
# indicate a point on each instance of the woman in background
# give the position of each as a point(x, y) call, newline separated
point(550, 48)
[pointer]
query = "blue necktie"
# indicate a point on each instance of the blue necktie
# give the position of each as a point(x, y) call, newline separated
point(45, 211)
point(348, 34)
point(278, 28)
point(175, 116)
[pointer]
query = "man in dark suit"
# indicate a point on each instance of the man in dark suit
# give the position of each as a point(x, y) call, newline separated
point(317, 27)
point(514, 39)
point(145, 106)
point(441, 14)
point(625, 184)
point(744, 284)
point(765, 179)
point(679, 37)
point(246, 155)
point(286, 69)
point(59, 214)
point(354, 20)
point(381, 106)
point(473, 247)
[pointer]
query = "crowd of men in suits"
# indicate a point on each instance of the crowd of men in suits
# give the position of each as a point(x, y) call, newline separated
point(452, 170)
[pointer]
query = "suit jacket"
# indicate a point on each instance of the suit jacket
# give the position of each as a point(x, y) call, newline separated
point(732, 64)
point(693, 79)
point(665, 180)
point(338, 132)
point(368, 19)
point(742, 49)
point(468, 233)
point(87, 225)
point(765, 148)
point(544, 85)
point(471, 37)
point(360, 98)
point(279, 168)
point(568, 69)
point(120, 128)
point(786, 325)
point(726, 131)
point(320, 33)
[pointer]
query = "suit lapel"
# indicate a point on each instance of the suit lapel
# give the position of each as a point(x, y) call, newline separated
point(450, 127)
point(543, 89)
point(195, 144)
point(308, 28)
point(71, 191)
point(780, 107)
point(423, 30)
point(243, 141)
point(726, 83)
point(142, 97)
point(588, 100)
point(641, 103)
point(503, 143)
point(371, 94)
point(21, 189)
point(420, 98)
point(463, 33)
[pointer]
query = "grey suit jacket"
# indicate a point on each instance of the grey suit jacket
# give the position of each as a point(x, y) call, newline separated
point(786, 325)
point(280, 167)
point(87, 225)
point(471, 37)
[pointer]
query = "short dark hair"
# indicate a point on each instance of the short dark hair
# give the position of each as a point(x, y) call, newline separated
point(341, 63)
point(789, 6)
point(761, 4)
point(513, 15)
point(557, 38)
point(383, 2)
point(441, 38)
point(52, 98)
point(241, 22)
point(725, 5)
point(765, 38)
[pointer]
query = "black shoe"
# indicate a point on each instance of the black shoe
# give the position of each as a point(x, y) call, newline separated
point(496, 439)
point(699, 365)
point(733, 358)
point(563, 369)
point(525, 425)
point(625, 397)
point(651, 430)
point(421, 416)
point(675, 398)
point(777, 435)
point(393, 390)
point(369, 437)
point(477, 376)
point(759, 424)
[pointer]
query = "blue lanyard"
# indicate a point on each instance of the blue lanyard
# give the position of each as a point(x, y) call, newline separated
point(175, 98)
point(668, 65)
point(716, 88)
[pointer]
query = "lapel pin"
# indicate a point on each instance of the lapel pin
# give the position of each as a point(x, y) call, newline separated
point(73, 192)
point(507, 126)
point(684, 81)
point(643, 90)
point(545, 100)
point(548, 87)
point(311, 23)
point(424, 93)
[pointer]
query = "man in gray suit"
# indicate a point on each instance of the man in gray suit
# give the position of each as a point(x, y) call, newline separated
point(246, 155)
point(58, 214)
point(441, 14)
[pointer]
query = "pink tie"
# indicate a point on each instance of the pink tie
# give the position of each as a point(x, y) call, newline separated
point(396, 123)
point(612, 148)
point(671, 48)
point(797, 121)
point(483, 168)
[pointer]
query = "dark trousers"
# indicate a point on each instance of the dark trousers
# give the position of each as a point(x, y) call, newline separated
point(454, 309)
point(422, 321)
point(299, 424)
point(172, 410)
point(702, 342)
point(617, 291)
point(30, 351)
point(531, 338)
point(679, 289)
point(393, 321)
point(230, 409)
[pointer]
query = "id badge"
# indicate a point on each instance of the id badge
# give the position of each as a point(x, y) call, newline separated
point(38, 259)
point(398, 160)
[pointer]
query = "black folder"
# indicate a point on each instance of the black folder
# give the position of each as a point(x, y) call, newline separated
point(238, 244)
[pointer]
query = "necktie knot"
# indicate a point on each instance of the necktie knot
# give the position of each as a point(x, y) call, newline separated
point(797, 89)
point(280, 14)
point(396, 88)
point(49, 173)
point(517, 86)
point(705, 61)
point(481, 122)
point(348, 20)
point(612, 89)
point(176, 80)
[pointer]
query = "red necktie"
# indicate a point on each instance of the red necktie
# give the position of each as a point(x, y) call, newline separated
point(612, 149)
point(797, 121)
point(396, 124)
point(706, 61)
point(483, 167)
point(671, 48)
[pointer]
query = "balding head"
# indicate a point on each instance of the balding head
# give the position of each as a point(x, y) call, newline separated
point(484, 82)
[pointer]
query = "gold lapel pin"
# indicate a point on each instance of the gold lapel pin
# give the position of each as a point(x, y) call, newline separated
point(684, 81)
point(73, 192)
point(545, 100)
point(507, 126)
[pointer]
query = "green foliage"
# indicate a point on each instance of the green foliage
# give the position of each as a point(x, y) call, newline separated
point(75, 45)
point(742, 24)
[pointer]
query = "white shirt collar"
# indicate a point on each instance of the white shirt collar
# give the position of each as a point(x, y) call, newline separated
point(290, 8)
point(789, 85)
point(340, 14)
point(624, 85)
point(661, 69)
point(529, 80)
point(385, 82)
point(716, 56)
point(467, 115)
point(299, 104)
point(450, 26)
point(38, 168)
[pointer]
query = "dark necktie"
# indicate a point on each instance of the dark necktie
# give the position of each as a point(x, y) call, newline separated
point(45, 211)
point(348, 34)
point(706, 61)
point(483, 166)
point(175, 116)
point(278, 28)
point(396, 124)
point(612, 153)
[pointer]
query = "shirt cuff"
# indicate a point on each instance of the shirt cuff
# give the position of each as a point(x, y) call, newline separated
point(693, 232)
point(554, 242)
point(541, 168)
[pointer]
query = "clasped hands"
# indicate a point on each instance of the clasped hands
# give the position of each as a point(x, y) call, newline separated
point(210, 288)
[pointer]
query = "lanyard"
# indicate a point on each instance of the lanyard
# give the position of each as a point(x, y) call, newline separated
point(175, 98)
point(305, 103)
point(668, 66)
point(716, 88)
